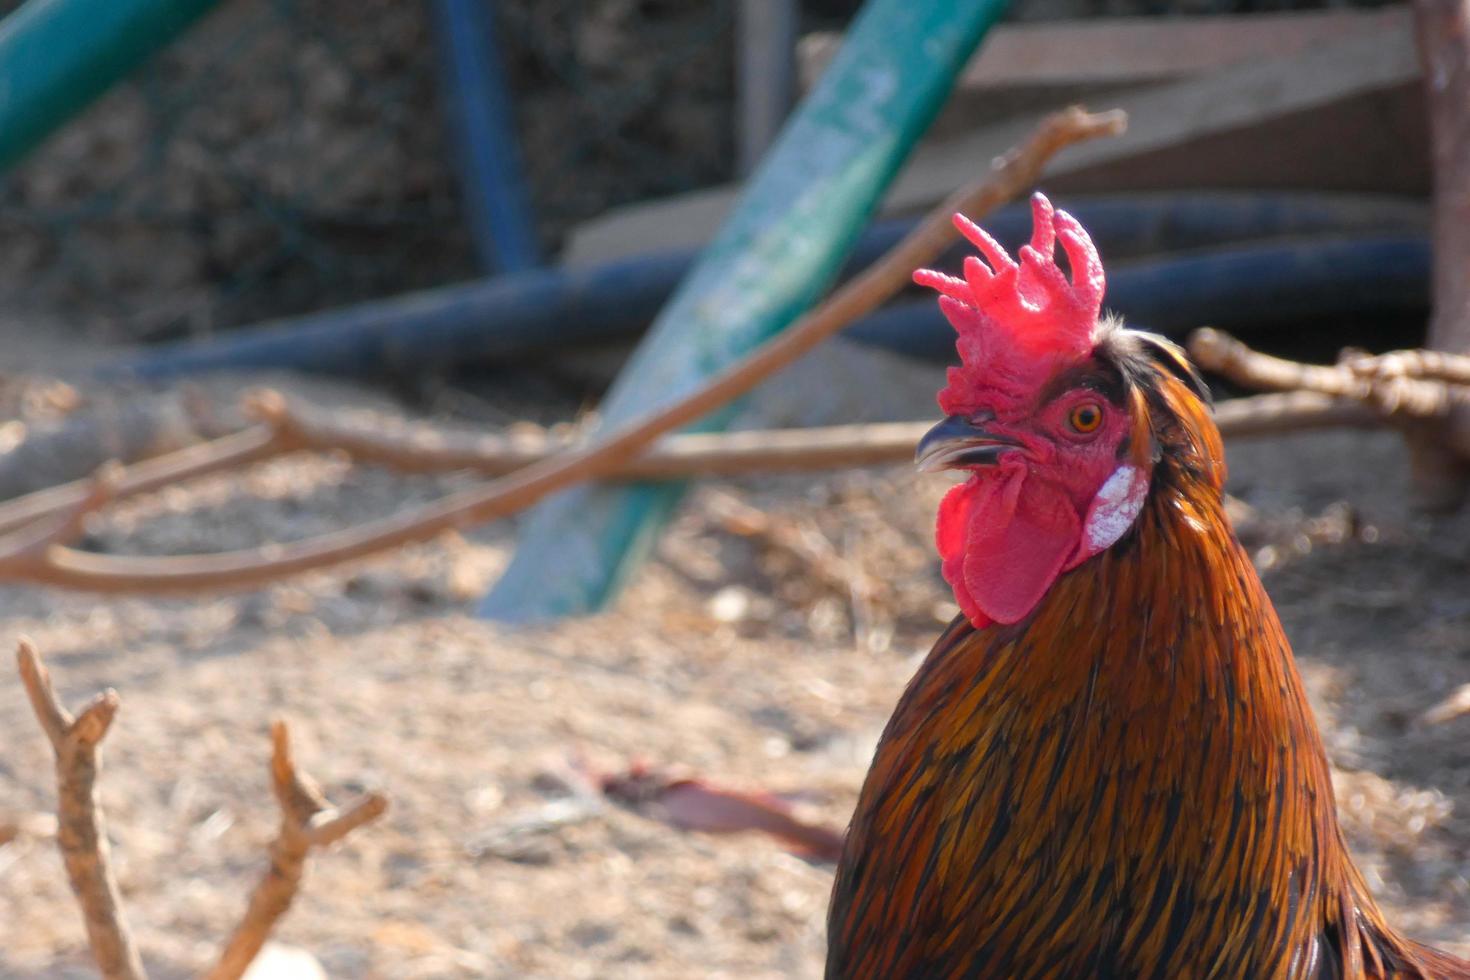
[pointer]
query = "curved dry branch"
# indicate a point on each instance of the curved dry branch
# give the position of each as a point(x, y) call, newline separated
point(1416, 391)
point(248, 446)
point(1291, 411)
point(1405, 386)
point(81, 834)
point(1215, 350)
point(1009, 176)
point(416, 448)
point(1428, 365)
point(26, 547)
point(289, 426)
point(411, 448)
point(307, 821)
point(394, 442)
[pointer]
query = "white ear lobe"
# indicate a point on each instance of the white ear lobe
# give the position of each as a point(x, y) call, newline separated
point(1114, 509)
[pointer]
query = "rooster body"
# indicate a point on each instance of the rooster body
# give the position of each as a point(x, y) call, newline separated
point(1107, 766)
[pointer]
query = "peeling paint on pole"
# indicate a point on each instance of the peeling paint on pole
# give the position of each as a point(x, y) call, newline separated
point(773, 259)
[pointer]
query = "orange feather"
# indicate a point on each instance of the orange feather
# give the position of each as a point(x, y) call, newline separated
point(1127, 783)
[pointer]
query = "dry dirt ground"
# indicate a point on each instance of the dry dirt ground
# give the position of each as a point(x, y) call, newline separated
point(727, 657)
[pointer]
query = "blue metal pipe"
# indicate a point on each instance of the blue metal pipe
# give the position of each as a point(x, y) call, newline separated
point(1236, 288)
point(483, 127)
point(549, 309)
point(505, 317)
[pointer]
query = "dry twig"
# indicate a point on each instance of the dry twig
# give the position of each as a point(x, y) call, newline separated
point(410, 448)
point(697, 805)
point(26, 546)
point(805, 543)
point(308, 821)
point(1457, 705)
point(424, 449)
point(239, 449)
point(1290, 411)
point(1215, 350)
point(1411, 389)
point(80, 831)
point(1430, 365)
point(1009, 176)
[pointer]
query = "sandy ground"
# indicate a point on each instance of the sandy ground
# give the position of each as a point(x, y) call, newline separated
point(726, 657)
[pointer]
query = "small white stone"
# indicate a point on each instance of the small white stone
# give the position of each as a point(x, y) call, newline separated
point(729, 605)
point(277, 961)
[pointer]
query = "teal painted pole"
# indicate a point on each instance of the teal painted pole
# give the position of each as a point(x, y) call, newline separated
point(56, 56)
point(773, 259)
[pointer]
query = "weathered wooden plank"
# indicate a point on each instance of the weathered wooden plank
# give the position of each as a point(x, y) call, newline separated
point(1342, 116)
point(1135, 50)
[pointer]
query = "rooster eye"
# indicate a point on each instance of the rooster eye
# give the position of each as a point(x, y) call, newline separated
point(1086, 417)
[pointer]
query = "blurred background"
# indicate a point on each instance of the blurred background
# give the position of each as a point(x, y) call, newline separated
point(467, 214)
point(293, 156)
point(290, 157)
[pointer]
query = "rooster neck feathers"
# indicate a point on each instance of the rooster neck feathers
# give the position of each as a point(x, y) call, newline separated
point(1122, 779)
point(1127, 783)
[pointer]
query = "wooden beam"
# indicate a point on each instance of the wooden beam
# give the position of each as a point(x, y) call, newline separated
point(1135, 50)
point(1441, 477)
point(1344, 115)
point(765, 76)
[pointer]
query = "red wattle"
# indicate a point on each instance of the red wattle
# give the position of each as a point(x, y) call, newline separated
point(1001, 547)
point(951, 535)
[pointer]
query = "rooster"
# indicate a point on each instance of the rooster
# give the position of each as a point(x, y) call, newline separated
point(1107, 766)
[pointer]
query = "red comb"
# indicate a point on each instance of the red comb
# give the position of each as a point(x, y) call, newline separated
point(1015, 322)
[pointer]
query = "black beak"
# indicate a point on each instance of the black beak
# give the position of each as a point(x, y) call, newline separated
point(956, 443)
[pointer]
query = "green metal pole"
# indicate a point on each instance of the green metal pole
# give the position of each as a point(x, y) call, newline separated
point(56, 56)
point(775, 256)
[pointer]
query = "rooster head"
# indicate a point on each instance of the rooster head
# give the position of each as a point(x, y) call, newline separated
point(1055, 444)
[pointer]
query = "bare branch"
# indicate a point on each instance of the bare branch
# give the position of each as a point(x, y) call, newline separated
point(1457, 705)
point(81, 834)
point(54, 719)
point(1429, 365)
point(413, 448)
point(1217, 351)
point(248, 446)
point(1411, 388)
point(806, 544)
point(325, 831)
point(418, 448)
point(307, 821)
point(1420, 393)
point(1291, 411)
point(410, 448)
point(1009, 176)
point(27, 546)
